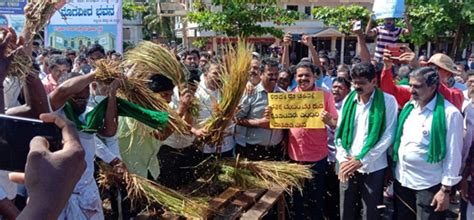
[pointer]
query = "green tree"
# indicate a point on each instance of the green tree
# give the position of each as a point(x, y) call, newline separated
point(242, 17)
point(429, 18)
point(152, 22)
point(434, 18)
point(342, 16)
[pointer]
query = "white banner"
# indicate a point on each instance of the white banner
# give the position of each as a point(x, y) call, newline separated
point(81, 23)
point(388, 8)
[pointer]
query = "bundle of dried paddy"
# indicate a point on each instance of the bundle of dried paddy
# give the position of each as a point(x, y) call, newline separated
point(21, 64)
point(136, 90)
point(38, 13)
point(263, 174)
point(145, 193)
point(150, 58)
point(234, 76)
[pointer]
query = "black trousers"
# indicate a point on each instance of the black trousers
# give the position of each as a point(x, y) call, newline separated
point(407, 200)
point(177, 165)
point(367, 188)
point(258, 152)
point(331, 197)
point(309, 204)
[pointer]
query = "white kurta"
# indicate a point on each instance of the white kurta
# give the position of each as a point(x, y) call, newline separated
point(85, 202)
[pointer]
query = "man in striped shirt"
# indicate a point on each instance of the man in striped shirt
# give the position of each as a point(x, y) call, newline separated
point(387, 34)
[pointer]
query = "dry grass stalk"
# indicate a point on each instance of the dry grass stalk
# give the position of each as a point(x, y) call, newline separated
point(264, 174)
point(234, 76)
point(145, 193)
point(151, 58)
point(21, 66)
point(136, 90)
point(108, 70)
point(38, 13)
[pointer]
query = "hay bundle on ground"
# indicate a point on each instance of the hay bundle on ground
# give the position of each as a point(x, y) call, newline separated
point(136, 90)
point(147, 194)
point(263, 174)
point(235, 68)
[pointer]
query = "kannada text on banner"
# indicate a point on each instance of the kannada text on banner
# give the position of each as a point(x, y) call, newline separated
point(81, 23)
point(296, 110)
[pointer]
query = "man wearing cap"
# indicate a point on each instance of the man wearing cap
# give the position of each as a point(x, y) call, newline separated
point(427, 150)
point(403, 94)
point(446, 69)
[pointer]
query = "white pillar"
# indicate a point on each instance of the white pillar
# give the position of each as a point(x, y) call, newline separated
point(214, 44)
point(333, 43)
point(343, 42)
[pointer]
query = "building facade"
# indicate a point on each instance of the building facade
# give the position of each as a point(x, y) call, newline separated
point(339, 46)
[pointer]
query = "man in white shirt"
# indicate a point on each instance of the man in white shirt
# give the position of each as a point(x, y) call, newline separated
point(177, 156)
point(365, 132)
point(71, 99)
point(427, 150)
point(208, 95)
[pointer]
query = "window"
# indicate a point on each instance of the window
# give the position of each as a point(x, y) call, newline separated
point(127, 34)
point(292, 7)
point(307, 10)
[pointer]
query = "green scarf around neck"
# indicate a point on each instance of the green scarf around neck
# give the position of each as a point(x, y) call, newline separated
point(437, 146)
point(95, 118)
point(403, 82)
point(376, 126)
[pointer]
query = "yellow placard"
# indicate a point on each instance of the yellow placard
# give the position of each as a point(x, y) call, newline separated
point(296, 110)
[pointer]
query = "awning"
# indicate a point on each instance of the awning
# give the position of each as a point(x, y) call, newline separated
point(329, 32)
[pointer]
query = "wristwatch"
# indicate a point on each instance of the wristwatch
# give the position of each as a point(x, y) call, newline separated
point(446, 189)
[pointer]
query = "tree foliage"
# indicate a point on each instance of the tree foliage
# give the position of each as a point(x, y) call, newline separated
point(242, 17)
point(434, 18)
point(152, 22)
point(429, 18)
point(342, 16)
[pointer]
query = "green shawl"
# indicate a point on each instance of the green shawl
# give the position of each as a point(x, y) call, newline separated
point(403, 82)
point(437, 146)
point(345, 132)
point(95, 118)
